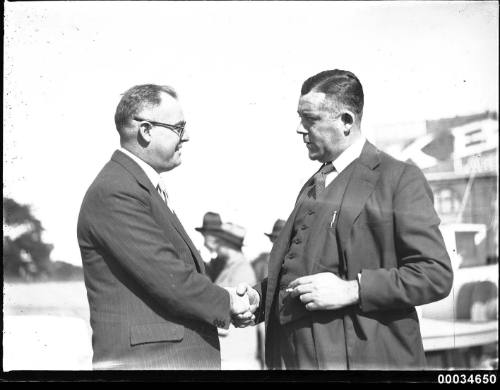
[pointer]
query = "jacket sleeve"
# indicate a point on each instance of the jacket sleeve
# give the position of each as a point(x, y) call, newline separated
point(121, 223)
point(424, 273)
point(261, 288)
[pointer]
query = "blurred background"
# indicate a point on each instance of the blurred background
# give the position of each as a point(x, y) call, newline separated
point(430, 76)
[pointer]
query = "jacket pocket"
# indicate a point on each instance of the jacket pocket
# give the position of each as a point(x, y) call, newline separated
point(154, 333)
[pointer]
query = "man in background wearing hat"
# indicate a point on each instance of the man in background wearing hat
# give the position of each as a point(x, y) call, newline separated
point(230, 268)
point(151, 305)
point(261, 262)
point(260, 266)
point(360, 250)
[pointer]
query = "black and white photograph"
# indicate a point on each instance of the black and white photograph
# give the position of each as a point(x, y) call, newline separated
point(251, 189)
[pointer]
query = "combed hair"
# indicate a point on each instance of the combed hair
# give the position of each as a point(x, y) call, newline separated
point(341, 84)
point(135, 99)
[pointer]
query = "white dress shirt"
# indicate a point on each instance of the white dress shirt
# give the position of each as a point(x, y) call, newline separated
point(150, 172)
point(345, 158)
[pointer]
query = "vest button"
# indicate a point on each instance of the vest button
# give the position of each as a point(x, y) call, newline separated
point(310, 212)
point(298, 241)
point(303, 227)
point(291, 255)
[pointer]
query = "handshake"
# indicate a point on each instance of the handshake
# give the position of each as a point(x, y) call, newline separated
point(244, 303)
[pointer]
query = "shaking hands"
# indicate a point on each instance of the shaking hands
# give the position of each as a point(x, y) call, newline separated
point(244, 303)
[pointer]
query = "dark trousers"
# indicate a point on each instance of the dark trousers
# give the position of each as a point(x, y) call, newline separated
point(313, 342)
point(297, 345)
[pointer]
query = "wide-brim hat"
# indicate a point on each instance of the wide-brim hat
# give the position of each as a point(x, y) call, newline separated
point(278, 225)
point(211, 223)
point(230, 233)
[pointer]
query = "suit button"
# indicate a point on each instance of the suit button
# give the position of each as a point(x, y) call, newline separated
point(291, 255)
point(297, 240)
point(303, 227)
point(310, 212)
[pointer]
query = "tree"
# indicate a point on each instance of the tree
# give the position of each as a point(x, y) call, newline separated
point(25, 255)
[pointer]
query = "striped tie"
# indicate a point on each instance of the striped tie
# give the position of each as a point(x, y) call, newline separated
point(320, 177)
point(162, 190)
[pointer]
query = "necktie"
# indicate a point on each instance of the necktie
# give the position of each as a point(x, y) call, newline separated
point(162, 190)
point(320, 177)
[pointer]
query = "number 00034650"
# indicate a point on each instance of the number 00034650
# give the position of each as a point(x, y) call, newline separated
point(467, 378)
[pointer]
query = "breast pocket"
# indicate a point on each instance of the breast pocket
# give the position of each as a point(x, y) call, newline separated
point(375, 213)
point(369, 219)
point(154, 333)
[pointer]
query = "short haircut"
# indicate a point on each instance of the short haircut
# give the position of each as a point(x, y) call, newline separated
point(135, 99)
point(343, 85)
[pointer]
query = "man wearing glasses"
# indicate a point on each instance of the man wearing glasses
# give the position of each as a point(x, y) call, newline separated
point(151, 305)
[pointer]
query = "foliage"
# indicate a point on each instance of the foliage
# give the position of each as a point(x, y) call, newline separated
point(25, 255)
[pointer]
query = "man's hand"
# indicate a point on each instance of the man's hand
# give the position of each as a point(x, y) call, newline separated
point(253, 296)
point(324, 291)
point(239, 307)
point(239, 303)
point(243, 320)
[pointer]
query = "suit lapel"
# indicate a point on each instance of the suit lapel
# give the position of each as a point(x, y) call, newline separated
point(358, 190)
point(131, 166)
point(174, 221)
point(178, 226)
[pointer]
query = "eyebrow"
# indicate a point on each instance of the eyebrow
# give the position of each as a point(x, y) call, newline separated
point(306, 113)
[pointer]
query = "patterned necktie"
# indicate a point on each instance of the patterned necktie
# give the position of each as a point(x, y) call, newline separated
point(162, 190)
point(320, 177)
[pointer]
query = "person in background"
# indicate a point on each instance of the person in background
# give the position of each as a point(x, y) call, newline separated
point(230, 268)
point(261, 262)
point(260, 265)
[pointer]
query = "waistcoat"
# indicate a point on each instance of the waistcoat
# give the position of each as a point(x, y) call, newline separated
point(307, 250)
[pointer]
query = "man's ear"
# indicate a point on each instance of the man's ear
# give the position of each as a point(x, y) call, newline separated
point(144, 133)
point(347, 120)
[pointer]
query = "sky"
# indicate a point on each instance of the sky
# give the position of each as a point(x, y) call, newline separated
point(238, 68)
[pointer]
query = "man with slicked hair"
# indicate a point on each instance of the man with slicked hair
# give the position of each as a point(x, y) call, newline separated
point(151, 304)
point(359, 251)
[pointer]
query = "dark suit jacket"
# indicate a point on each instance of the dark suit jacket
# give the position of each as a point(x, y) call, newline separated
point(387, 230)
point(151, 306)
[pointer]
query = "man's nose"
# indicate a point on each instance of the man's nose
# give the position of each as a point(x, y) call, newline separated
point(301, 130)
point(185, 137)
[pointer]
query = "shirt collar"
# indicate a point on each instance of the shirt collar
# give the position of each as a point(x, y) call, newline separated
point(153, 176)
point(349, 155)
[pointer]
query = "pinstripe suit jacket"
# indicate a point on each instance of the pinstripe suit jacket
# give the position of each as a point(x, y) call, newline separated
point(151, 306)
